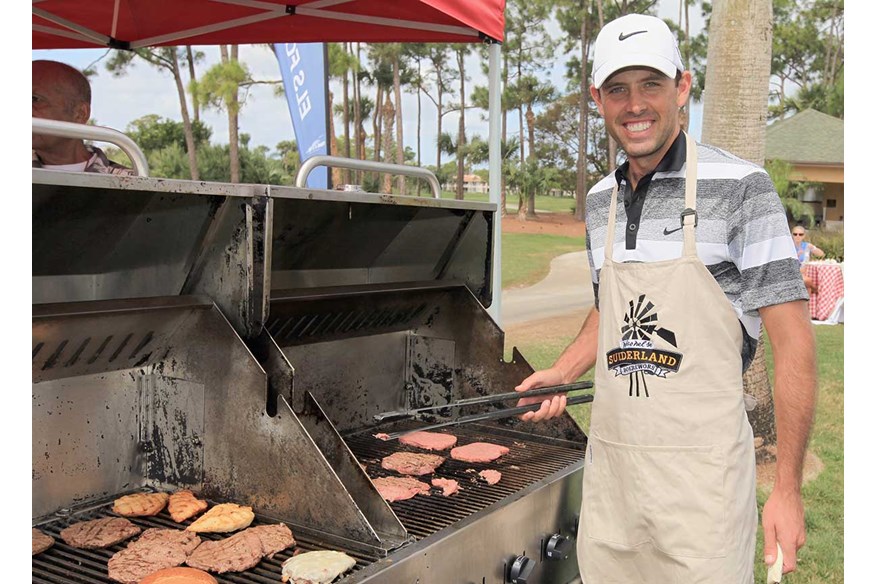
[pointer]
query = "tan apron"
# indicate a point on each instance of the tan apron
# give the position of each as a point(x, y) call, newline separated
point(669, 483)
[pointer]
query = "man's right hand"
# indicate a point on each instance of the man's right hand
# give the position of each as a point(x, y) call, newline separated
point(552, 405)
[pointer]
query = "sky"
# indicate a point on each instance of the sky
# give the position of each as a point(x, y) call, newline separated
point(147, 90)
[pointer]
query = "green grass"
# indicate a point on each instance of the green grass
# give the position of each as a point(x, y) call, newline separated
point(526, 257)
point(821, 559)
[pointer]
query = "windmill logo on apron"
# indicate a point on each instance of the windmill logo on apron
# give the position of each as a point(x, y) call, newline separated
point(637, 355)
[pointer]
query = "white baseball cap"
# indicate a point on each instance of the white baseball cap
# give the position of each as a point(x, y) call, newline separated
point(635, 40)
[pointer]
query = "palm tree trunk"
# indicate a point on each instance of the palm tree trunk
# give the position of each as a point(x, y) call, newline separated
point(460, 138)
point(190, 57)
point(347, 146)
point(734, 118)
point(233, 133)
point(399, 134)
point(388, 119)
point(187, 123)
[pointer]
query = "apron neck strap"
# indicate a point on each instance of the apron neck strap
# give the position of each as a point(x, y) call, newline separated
point(688, 216)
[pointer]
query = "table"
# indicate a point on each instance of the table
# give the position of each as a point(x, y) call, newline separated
point(828, 281)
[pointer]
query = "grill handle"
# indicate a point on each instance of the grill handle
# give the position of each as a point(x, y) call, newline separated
point(485, 399)
point(495, 415)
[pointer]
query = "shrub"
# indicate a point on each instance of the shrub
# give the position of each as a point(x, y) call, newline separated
point(829, 241)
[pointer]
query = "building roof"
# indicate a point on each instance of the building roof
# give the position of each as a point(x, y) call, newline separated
point(808, 137)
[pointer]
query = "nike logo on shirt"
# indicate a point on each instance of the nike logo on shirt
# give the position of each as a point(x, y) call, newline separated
point(668, 231)
point(623, 37)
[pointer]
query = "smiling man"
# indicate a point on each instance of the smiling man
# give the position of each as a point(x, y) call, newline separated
point(689, 252)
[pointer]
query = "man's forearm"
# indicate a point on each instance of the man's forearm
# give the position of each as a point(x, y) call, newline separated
point(793, 343)
point(580, 355)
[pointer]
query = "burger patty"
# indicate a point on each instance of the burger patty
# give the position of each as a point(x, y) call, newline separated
point(242, 550)
point(155, 550)
point(99, 533)
point(478, 452)
point(39, 541)
point(429, 440)
point(400, 488)
point(412, 463)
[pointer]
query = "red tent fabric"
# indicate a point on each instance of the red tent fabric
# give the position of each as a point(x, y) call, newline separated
point(69, 24)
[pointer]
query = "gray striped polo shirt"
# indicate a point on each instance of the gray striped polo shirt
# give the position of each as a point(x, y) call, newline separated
point(742, 233)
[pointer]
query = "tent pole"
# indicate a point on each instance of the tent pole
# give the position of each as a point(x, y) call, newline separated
point(495, 84)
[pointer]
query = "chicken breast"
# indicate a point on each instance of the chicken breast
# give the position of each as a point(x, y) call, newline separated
point(184, 505)
point(140, 504)
point(319, 567)
point(223, 518)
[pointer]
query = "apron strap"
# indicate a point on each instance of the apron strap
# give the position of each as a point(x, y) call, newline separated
point(688, 216)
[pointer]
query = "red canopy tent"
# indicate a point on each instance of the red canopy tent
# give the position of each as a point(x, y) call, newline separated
point(130, 24)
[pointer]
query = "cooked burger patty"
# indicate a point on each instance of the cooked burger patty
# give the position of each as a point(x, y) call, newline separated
point(187, 540)
point(478, 452)
point(134, 563)
point(99, 533)
point(239, 552)
point(39, 541)
point(412, 463)
point(274, 538)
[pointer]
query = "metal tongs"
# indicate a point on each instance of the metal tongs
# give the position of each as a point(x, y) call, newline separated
point(481, 400)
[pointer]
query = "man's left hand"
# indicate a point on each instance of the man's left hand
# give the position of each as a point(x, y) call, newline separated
point(783, 522)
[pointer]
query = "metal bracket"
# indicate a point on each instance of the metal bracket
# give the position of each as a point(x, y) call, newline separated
point(687, 212)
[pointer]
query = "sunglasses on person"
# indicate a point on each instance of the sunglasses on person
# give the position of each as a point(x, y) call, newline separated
point(798, 234)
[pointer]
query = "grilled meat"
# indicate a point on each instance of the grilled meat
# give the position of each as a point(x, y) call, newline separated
point(491, 476)
point(184, 505)
point(239, 552)
point(99, 533)
point(39, 541)
point(447, 486)
point(478, 452)
point(140, 504)
point(187, 540)
point(429, 440)
point(223, 518)
point(400, 488)
point(412, 463)
point(274, 538)
point(132, 564)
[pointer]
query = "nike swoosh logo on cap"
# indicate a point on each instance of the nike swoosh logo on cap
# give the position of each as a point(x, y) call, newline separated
point(623, 37)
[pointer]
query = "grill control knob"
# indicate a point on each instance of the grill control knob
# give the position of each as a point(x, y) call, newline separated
point(558, 547)
point(521, 570)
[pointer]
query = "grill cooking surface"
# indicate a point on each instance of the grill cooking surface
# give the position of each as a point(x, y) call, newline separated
point(63, 564)
point(526, 463)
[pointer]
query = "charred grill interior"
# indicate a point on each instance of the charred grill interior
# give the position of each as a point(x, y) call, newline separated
point(244, 355)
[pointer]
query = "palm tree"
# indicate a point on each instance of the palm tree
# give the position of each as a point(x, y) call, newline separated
point(734, 118)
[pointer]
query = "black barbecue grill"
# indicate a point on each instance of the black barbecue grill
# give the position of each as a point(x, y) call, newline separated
point(239, 340)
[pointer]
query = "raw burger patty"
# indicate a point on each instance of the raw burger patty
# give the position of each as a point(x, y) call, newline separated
point(491, 476)
point(429, 440)
point(39, 541)
point(412, 463)
point(478, 452)
point(447, 486)
point(99, 533)
point(400, 488)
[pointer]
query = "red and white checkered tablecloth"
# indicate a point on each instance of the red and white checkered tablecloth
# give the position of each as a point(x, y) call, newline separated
point(828, 281)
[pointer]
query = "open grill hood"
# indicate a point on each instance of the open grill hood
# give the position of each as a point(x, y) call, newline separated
point(238, 340)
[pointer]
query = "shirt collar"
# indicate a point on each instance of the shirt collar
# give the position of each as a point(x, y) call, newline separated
point(672, 161)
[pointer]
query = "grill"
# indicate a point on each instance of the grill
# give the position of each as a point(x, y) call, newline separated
point(239, 340)
point(63, 564)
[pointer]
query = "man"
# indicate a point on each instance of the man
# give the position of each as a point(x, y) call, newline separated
point(60, 92)
point(698, 254)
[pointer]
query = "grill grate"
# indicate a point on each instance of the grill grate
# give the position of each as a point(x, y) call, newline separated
point(63, 564)
point(526, 463)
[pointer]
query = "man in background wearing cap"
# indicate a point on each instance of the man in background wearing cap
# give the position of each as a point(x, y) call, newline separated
point(700, 253)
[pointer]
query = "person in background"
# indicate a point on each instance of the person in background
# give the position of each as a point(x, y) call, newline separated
point(805, 251)
point(689, 252)
point(60, 92)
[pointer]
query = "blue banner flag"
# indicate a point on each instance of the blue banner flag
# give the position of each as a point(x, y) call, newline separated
point(303, 67)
